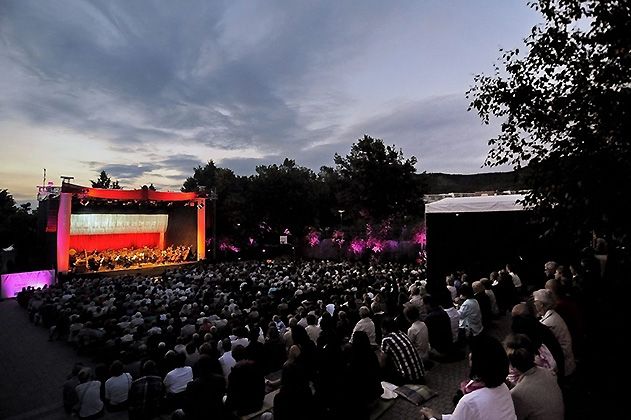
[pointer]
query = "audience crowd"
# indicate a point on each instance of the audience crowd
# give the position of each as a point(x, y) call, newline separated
point(215, 339)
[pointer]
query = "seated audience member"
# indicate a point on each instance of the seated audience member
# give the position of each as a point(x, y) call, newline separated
point(274, 348)
point(146, 393)
point(549, 353)
point(366, 324)
point(176, 380)
point(403, 364)
point(479, 294)
point(454, 316)
point(492, 401)
point(246, 384)
point(536, 395)
point(489, 292)
point(568, 308)
point(70, 398)
point(544, 304)
point(294, 399)
point(117, 387)
point(226, 360)
point(440, 330)
point(470, 314)
point(205, 393)
point(89, 404)
point(418, 333)
point(362, 378)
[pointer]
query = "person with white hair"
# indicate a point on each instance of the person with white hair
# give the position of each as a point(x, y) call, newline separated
point(367, 325)
point(544, 305)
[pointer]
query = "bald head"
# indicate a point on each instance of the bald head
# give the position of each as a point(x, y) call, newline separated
point(521, 309)
point(477, 287)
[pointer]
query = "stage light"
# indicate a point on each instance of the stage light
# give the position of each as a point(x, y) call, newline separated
point(200, 205)
point(84, 202)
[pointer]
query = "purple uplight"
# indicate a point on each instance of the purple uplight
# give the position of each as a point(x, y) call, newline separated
point(14, 282)
point(251, 241)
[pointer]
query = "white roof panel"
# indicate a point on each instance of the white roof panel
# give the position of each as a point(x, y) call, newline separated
point(478, 204)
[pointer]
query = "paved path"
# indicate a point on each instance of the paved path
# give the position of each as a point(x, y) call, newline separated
point(33, 369)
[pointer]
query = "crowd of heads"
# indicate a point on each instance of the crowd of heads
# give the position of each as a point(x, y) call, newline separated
point(294, 315)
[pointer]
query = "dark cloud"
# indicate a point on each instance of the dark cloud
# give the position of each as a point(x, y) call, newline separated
point(183, 165)
point(278, 79)
point(447, 138)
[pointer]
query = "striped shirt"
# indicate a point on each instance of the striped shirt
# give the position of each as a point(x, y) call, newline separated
point(407, 361)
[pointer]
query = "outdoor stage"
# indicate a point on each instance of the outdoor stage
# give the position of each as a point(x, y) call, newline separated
point(144, 269)
point(123, 231)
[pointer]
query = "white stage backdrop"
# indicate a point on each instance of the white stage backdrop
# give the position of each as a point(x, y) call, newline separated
point(100, 224)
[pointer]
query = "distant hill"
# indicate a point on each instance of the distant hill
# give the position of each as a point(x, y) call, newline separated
point(439, 183)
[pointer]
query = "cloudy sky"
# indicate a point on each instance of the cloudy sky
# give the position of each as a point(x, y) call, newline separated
point(147, 90)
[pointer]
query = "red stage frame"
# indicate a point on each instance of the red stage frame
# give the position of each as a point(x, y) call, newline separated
point(65, 210)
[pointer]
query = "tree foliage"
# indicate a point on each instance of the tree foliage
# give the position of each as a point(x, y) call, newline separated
point(376, 181)
point(285, 195)
point(18, 227)
point(564, 108)
point(105, 181)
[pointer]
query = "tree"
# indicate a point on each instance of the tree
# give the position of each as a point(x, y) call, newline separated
point(204, 178)
point(377, 181)
point(233, 203)
point(564, 109)
point(18, 227)
point(104, 181)
point(285, 195)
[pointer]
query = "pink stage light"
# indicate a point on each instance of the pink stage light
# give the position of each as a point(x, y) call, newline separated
point(420, 237)
point(313, 238)
point(15, 282)
point(375, 244)
point(358, 246)
point(227, 246)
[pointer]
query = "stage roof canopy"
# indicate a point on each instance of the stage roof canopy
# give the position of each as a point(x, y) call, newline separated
point(120, 194)
point(477, 204)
